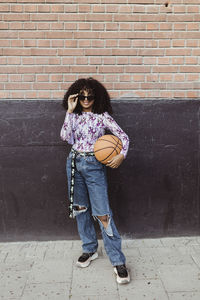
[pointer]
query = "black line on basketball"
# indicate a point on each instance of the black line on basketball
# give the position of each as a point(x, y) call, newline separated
point(108, 155)
point(116, 142)
point(103, 149)
point(108, 141)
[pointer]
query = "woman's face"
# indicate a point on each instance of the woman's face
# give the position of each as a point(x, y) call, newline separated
point(87, 101)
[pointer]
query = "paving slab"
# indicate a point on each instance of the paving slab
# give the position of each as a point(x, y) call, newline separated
point(180, 278)
point(184, 296)
point(143, 289)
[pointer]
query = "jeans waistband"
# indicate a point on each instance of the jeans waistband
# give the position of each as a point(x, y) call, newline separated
point(82, 153)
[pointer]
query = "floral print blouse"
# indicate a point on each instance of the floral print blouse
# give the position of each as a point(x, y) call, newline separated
point(83, 130)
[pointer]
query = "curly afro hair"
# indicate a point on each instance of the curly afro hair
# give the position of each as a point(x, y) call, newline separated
point(101, 97)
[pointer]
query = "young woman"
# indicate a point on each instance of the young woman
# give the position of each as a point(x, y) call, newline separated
point(88, 115)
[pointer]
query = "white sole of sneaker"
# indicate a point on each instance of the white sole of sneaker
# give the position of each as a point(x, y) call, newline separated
point(87, 262)
point(122, 280)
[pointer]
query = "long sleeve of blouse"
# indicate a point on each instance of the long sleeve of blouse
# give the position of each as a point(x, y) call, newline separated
point(112, 125)
point(66, 133)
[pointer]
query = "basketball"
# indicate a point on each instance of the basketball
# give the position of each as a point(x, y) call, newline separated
point(106, 147)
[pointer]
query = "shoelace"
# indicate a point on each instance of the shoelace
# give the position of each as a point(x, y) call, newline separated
point(122, 271)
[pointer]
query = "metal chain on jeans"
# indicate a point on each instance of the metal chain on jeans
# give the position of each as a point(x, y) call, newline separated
point(73, 166)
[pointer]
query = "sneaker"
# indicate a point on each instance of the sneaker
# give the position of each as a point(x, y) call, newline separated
point(122, 274)
point(85, 259)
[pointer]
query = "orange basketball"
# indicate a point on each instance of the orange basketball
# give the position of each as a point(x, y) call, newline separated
point(106, 147)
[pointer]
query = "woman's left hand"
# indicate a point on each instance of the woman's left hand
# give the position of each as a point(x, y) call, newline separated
point(116, 161)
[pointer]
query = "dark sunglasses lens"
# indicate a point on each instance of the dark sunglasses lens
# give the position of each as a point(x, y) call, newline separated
point(81, 97)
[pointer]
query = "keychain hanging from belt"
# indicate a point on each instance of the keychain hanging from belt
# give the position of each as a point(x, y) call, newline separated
point(73, 166)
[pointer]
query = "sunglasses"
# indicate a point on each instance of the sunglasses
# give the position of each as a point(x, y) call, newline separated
point(82, 97)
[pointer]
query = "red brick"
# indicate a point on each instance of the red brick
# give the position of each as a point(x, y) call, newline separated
point(124, 77)
point(42, 77)
point(15, 77)
point(110, 69)
point(109, 60)
point(192, 77)
point(151, 52)
point(82, 69)
point(30, 94)
point(112, 78)
point(4, 8)
point(16, 52)
point(17, 86)
point(192, 8)
point(3, 78)
point(179, 94)
point(124, 52)
point(122, 60)
point(163, 60)
point(125, 26)
point(165, 69)
point(98, 26)
point(29, 77)
point(112, 26)
point(98, 43)
point(13, 60)
point(153, 85)
point(177, 60)
point(98, 8)
point(192, 94)
point(139, 77)
point(152, 78)
point(165, 77)
point(16, 8)
point(57, 26)
point(44, 8)
point(178, 52)
point(111, 43)
point(192, 26)
point(191, 60)
point(56, 69)
point(81, 60)
point(44, 94)
point(29, 69)
point(178, 43)
point(45, 86)
point(150, 60)
point(16, 17)
point(57, 8)
point(124, 43)
point(84, 8)
point(126, 85)
point(44, 17)
point(30, 8)
point(137, 69)
point(135, 60)
point(84, 26)
point(95, 60)
point(179, 77)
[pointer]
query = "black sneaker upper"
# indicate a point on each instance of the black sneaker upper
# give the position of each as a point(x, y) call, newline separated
point(84, 257)
point(122, 271)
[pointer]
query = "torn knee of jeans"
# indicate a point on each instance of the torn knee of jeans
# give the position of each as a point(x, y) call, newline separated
point(78, 209)
point(104, 221)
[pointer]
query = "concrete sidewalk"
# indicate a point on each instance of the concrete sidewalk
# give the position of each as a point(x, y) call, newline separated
point(161, 269)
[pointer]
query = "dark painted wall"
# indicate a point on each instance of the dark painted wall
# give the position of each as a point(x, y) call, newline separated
point(154, 193)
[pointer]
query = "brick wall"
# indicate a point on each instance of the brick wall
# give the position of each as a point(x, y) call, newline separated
point(141, 48)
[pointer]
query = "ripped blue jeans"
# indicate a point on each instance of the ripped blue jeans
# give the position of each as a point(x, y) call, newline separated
point(90, 194)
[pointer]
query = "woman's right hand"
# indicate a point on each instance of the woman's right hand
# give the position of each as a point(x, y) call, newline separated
point(72, 102)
